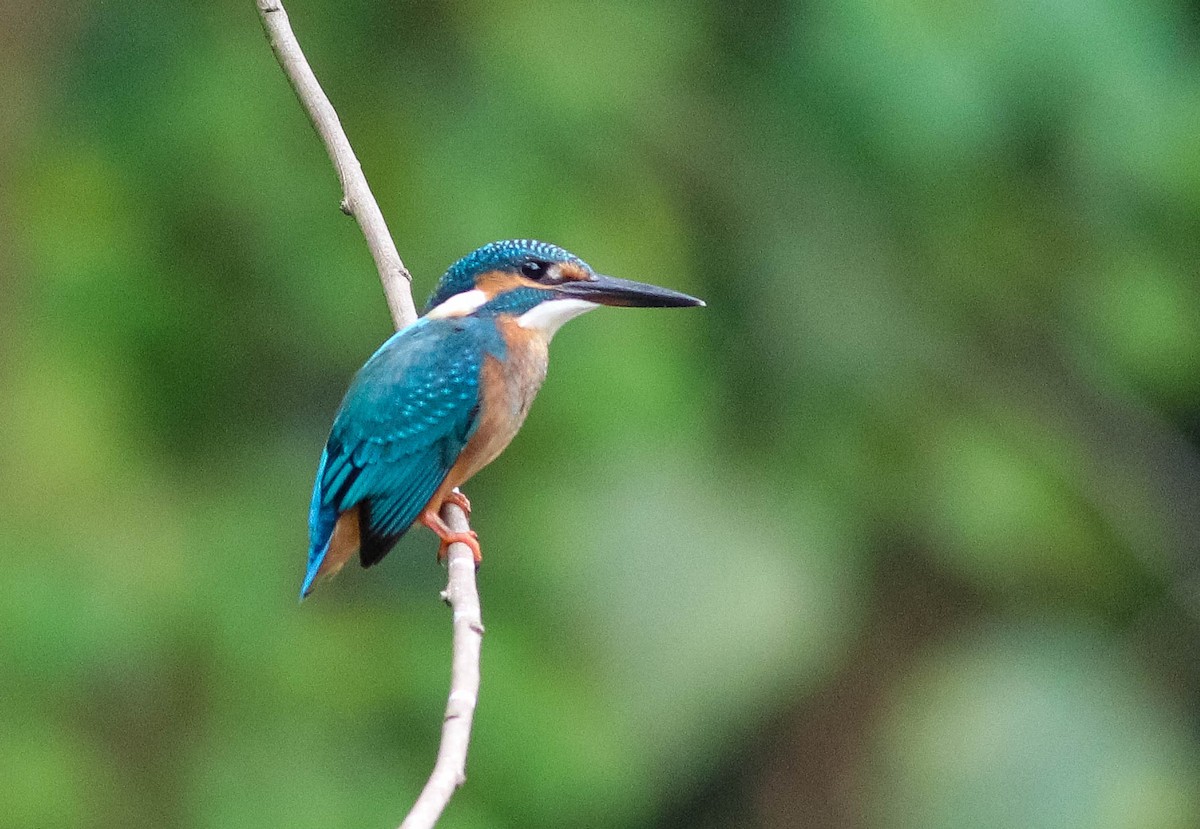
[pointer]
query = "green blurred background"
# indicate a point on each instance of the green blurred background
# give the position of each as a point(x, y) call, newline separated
point(900, 531)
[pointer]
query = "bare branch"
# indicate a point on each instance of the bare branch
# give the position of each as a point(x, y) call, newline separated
point(356, 193)
point(449, 772)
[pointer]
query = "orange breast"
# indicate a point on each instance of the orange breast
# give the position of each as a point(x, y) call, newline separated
point(507, 390)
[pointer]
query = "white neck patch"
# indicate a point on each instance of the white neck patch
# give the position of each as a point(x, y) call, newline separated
point(549, 316)
point(459, 305)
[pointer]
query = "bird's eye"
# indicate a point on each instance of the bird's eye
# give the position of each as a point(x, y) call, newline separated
point(533, 269)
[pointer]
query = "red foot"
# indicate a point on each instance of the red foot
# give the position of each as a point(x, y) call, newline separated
point(459, 500)
point(448, 536)
point(469, 538)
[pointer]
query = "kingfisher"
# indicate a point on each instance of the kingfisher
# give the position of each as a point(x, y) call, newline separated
point(444, 396)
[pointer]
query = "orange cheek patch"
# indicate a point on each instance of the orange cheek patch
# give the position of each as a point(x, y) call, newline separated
point(494, 283)
point(573, 273)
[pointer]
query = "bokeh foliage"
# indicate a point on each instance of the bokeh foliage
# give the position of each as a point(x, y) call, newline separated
point(900, 531)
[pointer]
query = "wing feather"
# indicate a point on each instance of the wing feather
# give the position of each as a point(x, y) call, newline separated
point(403, 423)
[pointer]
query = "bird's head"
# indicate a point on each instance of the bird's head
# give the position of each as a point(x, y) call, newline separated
point(540, 283)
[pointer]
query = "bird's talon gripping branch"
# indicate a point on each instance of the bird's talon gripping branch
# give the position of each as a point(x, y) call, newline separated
point(442, 530)
point(460, 500)
point(470, 538)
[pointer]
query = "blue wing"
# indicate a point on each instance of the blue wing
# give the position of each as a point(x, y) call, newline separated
point(406, 417)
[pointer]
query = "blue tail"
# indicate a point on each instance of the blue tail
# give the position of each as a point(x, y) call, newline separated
point(314, 564)
point(321, 520)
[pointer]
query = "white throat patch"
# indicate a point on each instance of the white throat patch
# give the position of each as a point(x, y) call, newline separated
point(549, 316)
point(459, 305)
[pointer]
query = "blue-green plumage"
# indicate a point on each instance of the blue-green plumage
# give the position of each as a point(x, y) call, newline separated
point(404, 420)
point(443, 397)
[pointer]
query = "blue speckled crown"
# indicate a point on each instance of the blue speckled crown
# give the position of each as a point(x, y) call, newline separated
point(505, 255)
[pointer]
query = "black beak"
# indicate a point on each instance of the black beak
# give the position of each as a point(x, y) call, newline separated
point(608, 290)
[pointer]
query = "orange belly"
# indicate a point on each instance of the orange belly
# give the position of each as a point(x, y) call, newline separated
point(506, 390)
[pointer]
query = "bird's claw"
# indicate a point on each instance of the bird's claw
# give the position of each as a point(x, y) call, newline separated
point(433, 521)
point(459, 500)
point(470, 538)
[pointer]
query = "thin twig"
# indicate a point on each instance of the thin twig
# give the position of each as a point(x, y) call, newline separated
point(356, 193)
point(449, 772)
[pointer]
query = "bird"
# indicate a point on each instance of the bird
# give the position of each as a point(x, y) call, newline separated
point(444, 396)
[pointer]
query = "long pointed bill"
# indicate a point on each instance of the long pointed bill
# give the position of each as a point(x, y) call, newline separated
point(608, 290)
